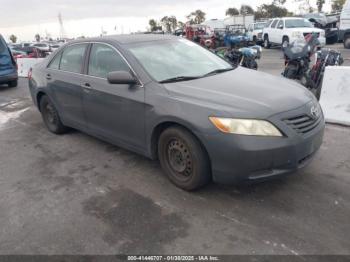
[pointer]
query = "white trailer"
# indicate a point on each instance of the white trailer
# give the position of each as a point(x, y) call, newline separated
point(239, 20)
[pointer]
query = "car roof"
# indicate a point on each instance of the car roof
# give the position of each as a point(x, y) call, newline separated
point(129, 39)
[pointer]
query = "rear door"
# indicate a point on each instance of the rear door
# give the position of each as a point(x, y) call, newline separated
point(113, 111)
point(64, 77)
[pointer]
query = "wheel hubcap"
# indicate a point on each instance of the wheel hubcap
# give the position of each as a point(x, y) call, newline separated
point(179, 157)
point(50, 114)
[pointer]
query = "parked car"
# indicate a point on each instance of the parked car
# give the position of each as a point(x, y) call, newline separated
point(54, 47)
point(255, 32)
point(282, 31)
point(168, 98)
point(327, 23)
point(8, 66)
point(344, 25)
point(42, 47)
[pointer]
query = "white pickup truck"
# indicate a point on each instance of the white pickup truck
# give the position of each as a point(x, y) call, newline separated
point(281, 31)
point(254, 32)
point(344, 27)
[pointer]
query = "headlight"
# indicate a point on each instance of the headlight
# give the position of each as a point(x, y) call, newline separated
point(296, 34)
point(249, 127)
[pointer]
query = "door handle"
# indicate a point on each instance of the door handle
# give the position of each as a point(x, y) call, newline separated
point(48, 77)
point(86, 86)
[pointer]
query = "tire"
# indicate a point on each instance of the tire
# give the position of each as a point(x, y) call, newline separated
point(183, 159)
point(13, 83)
point(254, 40)
point(50, 116)
point(267, 43)
point(347, 42)
point(290, 71)
point(285, 41)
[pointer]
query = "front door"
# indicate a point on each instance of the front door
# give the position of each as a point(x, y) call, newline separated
point(114, 111)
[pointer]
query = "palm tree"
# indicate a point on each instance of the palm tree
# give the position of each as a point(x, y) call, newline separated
point(196, 17)
point(232, 11)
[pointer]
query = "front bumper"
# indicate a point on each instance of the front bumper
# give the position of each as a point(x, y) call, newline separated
point(237, 158)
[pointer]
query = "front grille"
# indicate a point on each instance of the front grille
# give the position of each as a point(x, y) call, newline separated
point(318, 34)
point(303, 124)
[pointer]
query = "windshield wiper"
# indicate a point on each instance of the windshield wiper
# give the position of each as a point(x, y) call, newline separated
point(218, 71)
point(178, 79)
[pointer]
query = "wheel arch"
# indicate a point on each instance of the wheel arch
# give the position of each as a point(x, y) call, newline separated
point(162, 126)
point(39, 95)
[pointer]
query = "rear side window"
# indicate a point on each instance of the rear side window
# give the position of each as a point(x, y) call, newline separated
point(73, 58)
point(104, 59)
point(273, 25)
point(55, 62)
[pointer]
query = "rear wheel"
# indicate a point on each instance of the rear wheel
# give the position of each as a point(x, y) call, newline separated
point(285, 41)
point(183, 159)
point(13, 83)
point(50, 116)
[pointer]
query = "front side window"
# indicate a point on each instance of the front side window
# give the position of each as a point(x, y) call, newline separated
point(274, 23)
point(55, 63)
point(73, 58)
point(104, 59)
point(176, 58)
point(280, 24)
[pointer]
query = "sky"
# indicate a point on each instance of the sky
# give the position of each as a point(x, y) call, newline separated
point(25, 18)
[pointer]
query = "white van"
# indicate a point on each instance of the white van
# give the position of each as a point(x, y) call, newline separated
point(344, 25)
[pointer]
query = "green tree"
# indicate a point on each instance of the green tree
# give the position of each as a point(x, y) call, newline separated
point(232, 11)
point(180, 24)
point(246, 10)
point(270, 11)
point(166, 23)
point(173, 22)
point(337, 5)
point(153, 24)
point(13, 38)
point(196, 17)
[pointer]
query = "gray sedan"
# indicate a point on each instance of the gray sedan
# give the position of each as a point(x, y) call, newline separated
point(168, 98)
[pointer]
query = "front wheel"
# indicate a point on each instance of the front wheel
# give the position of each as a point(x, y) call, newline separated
point(267, 44)
point(50, 116)
point(183, 159)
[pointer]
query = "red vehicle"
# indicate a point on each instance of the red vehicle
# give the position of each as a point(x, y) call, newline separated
point(200, 34)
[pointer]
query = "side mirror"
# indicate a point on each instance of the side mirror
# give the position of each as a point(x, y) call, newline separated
point(280, 27)
point(121, 77)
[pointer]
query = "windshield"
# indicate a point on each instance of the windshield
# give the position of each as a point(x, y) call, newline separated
point(259, 26)
point(292, 23)
point(176, 58)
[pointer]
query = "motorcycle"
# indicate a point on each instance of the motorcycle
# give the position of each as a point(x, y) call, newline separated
point(298, 56)
point(245, 56)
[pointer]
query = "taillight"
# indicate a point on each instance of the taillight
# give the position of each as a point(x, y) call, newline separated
point(30, 72)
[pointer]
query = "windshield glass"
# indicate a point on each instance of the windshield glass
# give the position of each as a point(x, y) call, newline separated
point(176, 58)
point(259, 26)
point(292, 23)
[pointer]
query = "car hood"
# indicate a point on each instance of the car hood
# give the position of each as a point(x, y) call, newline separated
point(242, 93)
point(308, 29)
